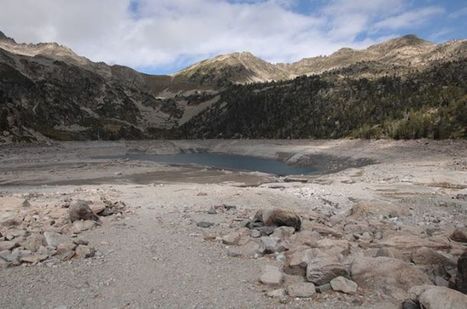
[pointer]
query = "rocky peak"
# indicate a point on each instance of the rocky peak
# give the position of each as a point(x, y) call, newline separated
point(405, 41)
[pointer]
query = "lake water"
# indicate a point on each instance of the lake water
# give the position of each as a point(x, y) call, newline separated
point(227, 161)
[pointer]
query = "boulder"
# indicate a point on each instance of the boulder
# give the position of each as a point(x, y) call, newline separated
point(441, 297)
point(459, 235)
point(391, 276)
point(427, 256)
point(236, 237)
point(279, 293)
point(461, 276)
point(412, 242)
point(53, 239)
point(204, 224)
point(344, 285)
point(34, 258)
point(306, 237)
point(322, 268)
point(301, 290)
point(393, 253)
point(271, 275)
point(297, 261)
point(278, 217)
point(81, 211)
point(9, 219)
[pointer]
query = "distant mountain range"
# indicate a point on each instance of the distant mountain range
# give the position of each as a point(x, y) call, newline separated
point(402, 88)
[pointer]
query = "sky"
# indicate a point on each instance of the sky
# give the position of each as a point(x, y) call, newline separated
point(164, 36)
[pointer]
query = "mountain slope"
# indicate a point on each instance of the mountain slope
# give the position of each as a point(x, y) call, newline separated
point(397, 56)
point(431, 103)
point(236, 68)
point(402, 88)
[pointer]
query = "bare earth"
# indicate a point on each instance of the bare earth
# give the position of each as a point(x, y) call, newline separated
point(154, 255)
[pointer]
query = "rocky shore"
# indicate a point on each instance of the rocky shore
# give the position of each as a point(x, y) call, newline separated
point(115, 233)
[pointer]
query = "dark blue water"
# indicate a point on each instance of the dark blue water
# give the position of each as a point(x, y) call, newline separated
point(227, 161)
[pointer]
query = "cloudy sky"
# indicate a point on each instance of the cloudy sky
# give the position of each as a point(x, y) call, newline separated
point(162, 36)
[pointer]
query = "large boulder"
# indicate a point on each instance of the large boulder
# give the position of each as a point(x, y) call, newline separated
point(427, 256)
point(390, 276)
point(277, 217)
point(442, 298)
point(461, 277)
point(459, 235)
point(81, 211)
point(322, 268)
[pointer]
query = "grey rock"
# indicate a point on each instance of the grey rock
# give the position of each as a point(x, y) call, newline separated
point(278, 293)
point(84, 251)
point(301, 290)
point(441, 297)
point(278, 217)
point(272, 244)
point(81, 226)
point(53, 239)
point(271, 276)
point(323, 288)
point(204, 224)
point(81, 211)
point(7, 245)
point(33, 242)
point(344, 285)
point(250, 249)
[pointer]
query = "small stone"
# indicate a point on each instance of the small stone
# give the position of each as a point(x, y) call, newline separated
point(53, 239)
point(255, 234)
point(344, 285)
point(34, 258)
point(271, 276)
point(276, 293)
point(323, 288)
point(250, 249)
point(283, 232)
point(301, 290)
point(26, 204)
point(410, 304)
point(33, 242)
point(81, 226)
point(232, 238)
point(7, 245)
point(97, 207)
point(212, 211)
point(204, 224)
point(272, 244)
point(83, 251)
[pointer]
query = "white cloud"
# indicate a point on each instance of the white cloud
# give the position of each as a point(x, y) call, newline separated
point(163, 32)
point(411, 18)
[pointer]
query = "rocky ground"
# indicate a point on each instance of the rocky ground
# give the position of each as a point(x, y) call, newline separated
point(78, 230)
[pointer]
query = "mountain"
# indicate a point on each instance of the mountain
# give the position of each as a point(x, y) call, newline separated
point(236, 68)
point(396, 56)
point(401, 88)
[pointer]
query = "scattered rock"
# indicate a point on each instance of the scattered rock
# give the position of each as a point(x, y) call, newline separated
point(204, 224)
point(9, 219)
point(323, 288)
point(7, 245)
point(271, 276)
point(427, 256)
point(393, 253)
point(53, 239)
point(250, 249)
point(283, 232)
point(233, 238)
point(212, 211)
point(301, 290)
point(84, 251)
point(272, 244)
point(81, 211)
point(97, 207)
point(33, 242)
point(277, 293)
point(26, 204)
point(344, 285)
point(34, 258)
point(459, 235)
point(278, 217)
point(255, 234)
point(393, 276)
point(461, 276)
point(80, 226)
point(441, 297)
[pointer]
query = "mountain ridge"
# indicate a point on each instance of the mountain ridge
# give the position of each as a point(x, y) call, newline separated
point(48, 91)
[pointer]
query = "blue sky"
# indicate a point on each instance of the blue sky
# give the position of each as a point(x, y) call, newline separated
point(164, 36)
